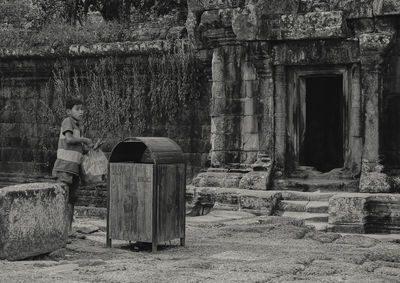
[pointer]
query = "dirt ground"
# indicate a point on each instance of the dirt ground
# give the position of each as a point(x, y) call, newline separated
point(220, 247)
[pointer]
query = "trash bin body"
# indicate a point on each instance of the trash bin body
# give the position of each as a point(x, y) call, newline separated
point(146, 199)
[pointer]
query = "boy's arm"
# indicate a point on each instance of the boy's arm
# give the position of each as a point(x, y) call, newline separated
point(70, 139)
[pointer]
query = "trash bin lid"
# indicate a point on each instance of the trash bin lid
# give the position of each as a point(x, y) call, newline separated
point(162, 150)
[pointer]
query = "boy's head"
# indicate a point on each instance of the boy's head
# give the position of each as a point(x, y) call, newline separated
point(74, 107)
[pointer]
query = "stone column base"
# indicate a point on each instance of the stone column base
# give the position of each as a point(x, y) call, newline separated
point(373, 180)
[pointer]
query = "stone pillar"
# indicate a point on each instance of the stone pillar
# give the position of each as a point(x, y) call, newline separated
point(249, 124)
point(355, 131)
point(266, 90)
point(218, 100)
point(226, 106)
point(372, 48)
point(280, 117)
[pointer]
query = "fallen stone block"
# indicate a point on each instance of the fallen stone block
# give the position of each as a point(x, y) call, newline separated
point(32, 219)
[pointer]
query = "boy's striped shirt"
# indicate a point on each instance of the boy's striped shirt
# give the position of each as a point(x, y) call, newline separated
point(69, 156)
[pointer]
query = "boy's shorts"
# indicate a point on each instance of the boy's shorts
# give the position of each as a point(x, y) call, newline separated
point(71, 180)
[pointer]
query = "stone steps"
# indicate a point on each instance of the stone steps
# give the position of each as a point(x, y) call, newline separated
point(316, 185)
point(318, 226)
point(307, 216)
point(304, 206)
point(255, 201)
point(306, 196)
point(311, 207)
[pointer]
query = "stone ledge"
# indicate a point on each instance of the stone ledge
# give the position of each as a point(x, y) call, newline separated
point(223, 179)
point(367, 8)
point(97, 49)
point(126, 48)
point(32, 220)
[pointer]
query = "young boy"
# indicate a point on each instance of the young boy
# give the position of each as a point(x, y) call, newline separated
point(69, 153)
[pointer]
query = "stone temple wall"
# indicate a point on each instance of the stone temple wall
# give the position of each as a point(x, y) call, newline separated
point(28, 141)
point(262, 50)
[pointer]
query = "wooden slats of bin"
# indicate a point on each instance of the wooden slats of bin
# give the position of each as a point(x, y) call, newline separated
point(146, 199)
point(131, 201)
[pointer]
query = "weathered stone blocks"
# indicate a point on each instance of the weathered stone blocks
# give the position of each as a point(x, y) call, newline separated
point(312, 25)
point(137, 47)
point(32, 219)
point(204, 5)
point(346, 212)
point(255, 180)
point(365, 213)
point(217, 179)
point(250, 24)
point(390, 7)
point(374, 41)
point(265, 202)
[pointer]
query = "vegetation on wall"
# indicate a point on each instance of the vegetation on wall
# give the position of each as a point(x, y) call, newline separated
point(27, 24)
point(128, 99)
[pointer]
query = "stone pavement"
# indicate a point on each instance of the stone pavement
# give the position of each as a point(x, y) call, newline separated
point(224, 246)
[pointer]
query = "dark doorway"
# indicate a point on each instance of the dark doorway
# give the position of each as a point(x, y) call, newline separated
point(323, 140)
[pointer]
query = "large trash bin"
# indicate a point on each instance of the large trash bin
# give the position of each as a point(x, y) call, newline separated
point(146, 191)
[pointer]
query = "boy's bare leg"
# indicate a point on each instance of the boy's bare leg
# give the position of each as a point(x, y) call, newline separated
point(70, 217)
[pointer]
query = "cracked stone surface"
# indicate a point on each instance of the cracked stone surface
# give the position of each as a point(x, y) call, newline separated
point(255, 249)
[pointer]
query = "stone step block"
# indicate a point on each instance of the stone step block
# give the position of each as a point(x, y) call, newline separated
point(319, 226)
point(32, 220)
point(293, 205)
point(218, 179)
point(304, 206)
point(262, 202)
point(306, 216)
point(316, 185)
point(317, 207)
point(309, 196)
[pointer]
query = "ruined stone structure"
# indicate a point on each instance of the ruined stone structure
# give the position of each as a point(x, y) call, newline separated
point(28, 140)
point(305, 96)
point(303, 83)
point(305, 100)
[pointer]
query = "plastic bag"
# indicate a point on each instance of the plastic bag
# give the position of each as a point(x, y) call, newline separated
point(94, 167)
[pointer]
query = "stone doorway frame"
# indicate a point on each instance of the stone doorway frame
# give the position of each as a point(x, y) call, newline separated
point(288, 97)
